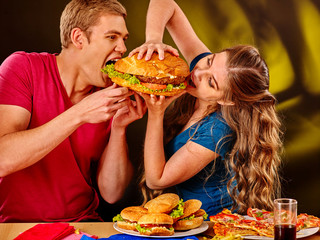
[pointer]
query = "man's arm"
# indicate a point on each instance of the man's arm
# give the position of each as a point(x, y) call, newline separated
point(21, 147)
point(115, 169)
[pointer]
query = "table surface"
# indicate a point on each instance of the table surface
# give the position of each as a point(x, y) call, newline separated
point(9, 231)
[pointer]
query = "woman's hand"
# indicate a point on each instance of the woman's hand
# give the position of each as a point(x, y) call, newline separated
point(157, 104)
point(148, 48)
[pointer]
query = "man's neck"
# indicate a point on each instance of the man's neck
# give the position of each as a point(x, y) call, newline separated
point(70, 74)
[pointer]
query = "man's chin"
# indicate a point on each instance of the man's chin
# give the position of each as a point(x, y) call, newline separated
point(108, 82)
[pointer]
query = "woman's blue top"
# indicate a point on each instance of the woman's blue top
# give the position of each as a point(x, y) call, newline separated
point(210, 133)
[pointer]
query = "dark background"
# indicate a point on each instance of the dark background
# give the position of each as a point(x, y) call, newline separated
point(286, 32)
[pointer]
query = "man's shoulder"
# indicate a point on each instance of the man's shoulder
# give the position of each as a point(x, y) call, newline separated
point(21, 57)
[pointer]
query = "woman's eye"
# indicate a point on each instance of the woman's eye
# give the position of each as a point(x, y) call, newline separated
point(209, 62)
point(210, 82)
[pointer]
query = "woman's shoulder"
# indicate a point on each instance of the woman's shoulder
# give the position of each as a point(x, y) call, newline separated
point(215, 119)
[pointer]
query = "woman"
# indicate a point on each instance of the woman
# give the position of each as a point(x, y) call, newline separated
point(222, 136)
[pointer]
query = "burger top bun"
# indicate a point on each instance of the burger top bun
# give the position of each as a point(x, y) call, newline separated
point(134, 213)
point(200, 212)
point(155, 218)
point(190, 207)
point(170, 66)
point(164, 203)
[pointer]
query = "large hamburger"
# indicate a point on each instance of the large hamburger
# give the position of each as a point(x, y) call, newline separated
point(193, 216)
point(159, 77)
point(129, 216)
point(155, 224)
point(168, 203)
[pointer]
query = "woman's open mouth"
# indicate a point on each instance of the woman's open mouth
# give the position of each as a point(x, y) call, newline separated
point(190, 81)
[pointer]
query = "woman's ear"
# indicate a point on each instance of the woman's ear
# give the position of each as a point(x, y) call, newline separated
point(226, 103)
point(77, 37)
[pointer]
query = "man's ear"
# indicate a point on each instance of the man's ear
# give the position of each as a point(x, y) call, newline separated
point(227, 103)
point(77, 37)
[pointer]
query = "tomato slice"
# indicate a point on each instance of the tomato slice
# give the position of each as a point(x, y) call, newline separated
point(154, 86)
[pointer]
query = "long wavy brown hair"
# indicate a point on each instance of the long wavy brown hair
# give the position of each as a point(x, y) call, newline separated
point(255, 156)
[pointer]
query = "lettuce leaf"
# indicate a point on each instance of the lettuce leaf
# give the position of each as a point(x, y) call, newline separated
point(142, 229)
point(178, 211)
point(117, 218)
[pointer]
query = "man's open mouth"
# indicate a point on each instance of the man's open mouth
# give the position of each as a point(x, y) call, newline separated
point(112, 61)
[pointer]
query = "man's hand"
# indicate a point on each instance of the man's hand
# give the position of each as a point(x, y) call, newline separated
point(133, 111)
point(102, 105)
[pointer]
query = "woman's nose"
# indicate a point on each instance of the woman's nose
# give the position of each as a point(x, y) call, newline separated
point(198, 73)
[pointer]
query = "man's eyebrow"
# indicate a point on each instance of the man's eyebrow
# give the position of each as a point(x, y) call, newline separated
point(115, 32)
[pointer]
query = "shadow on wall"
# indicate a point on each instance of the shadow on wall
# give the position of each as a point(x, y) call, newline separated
point(286, 33)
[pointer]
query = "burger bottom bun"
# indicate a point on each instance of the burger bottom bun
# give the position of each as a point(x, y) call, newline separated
point(126, 225)
point(139, 88)
point(158, 231)
point(183, 225)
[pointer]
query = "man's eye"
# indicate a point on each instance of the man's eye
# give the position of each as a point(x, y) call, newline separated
point(112, 37)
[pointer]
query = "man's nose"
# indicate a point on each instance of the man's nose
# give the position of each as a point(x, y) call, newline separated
point(121, 47)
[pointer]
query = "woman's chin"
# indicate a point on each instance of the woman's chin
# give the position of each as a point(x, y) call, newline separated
point(191, 90)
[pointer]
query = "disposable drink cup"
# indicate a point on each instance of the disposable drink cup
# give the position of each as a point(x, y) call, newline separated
point(285, 219)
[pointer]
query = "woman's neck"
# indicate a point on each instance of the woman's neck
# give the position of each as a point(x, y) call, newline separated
point(200, 110)
point(201, 107)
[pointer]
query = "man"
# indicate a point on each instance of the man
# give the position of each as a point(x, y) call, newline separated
point(59, 115)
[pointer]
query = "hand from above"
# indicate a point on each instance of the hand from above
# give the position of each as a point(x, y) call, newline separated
point(148, 48)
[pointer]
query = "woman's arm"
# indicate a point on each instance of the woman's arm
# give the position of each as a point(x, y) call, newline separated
point(178, 26)
point(184, 164)
point(167, 14)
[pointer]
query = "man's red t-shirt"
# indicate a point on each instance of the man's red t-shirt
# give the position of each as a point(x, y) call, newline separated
point(58, 187)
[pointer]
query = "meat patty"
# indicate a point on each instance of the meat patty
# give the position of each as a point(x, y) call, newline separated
point(164, 81)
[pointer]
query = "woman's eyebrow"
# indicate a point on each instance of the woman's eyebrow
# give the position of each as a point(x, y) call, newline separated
point(214, 79)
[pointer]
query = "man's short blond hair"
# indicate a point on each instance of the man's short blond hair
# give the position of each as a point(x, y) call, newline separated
point(84, 14)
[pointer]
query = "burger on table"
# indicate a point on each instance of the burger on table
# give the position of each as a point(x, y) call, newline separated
point(162, 216)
